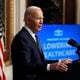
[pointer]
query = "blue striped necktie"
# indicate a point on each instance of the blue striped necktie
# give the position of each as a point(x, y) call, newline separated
point(37, 40)
point(38, 44)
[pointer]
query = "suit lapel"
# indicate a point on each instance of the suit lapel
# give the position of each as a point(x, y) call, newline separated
point(27, 34)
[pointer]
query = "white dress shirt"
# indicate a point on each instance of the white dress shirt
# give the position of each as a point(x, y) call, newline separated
point(30, 31)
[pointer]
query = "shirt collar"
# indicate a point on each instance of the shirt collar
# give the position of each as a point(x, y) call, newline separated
point(30, 31)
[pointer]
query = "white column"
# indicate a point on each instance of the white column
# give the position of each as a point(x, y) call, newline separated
point(22, 10)
point(78, 11)
point(19, 9)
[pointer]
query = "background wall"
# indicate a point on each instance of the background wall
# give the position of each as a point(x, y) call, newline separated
point(78, 11)
point(15, 22)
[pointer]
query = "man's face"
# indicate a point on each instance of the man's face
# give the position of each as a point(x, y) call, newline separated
point(36, 20)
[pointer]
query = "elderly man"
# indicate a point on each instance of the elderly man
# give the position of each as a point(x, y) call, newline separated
point(27, 58)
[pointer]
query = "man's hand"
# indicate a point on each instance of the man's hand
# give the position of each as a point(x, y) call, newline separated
point(61, 65)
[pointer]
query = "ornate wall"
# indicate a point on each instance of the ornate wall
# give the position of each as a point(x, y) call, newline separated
point(57, 11)
point(9, 12)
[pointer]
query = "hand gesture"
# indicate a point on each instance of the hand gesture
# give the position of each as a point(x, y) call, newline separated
point(61, 65)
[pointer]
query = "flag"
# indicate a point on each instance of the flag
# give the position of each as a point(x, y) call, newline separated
point(2, 64)
point(2, 55)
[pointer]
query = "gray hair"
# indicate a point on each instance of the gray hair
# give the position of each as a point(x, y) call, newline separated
point(30, 9)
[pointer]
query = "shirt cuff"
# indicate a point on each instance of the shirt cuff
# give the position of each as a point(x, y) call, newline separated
point(48, 67)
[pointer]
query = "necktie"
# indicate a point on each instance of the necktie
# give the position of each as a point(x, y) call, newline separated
point(39, 47)
point(37, 41)
point(38, 44)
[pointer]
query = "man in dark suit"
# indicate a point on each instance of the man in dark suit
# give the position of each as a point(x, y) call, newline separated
point(27, 59)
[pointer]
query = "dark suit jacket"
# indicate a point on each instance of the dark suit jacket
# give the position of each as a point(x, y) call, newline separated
point(28, 63)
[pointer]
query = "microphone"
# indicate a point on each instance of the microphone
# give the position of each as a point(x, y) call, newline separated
point(74, 43)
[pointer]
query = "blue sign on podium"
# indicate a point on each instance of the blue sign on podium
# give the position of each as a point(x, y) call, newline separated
point(54, 41)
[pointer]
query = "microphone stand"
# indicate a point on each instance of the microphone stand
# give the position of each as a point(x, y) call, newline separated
point(78, 52)
point(74, 68)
